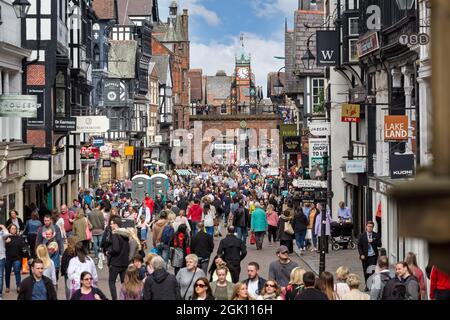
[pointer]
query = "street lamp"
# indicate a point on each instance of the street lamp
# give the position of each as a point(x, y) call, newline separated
point(405, 4)
point(278, 86)
point(308, 58)
point(21, 7)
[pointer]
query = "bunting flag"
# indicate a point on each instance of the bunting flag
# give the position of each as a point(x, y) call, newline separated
point(378, 214)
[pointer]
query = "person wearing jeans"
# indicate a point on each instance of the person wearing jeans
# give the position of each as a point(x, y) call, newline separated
point(259, 225)
point(3, 235)
point(97, 220)
point(299, 224)
point(14, 246)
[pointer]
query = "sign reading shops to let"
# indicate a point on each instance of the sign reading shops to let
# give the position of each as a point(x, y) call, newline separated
point(317, 148)
point(395, 128)
point(351, 113)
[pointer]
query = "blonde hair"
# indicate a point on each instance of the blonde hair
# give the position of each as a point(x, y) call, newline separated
point(42, 253)
point(132, 286)
point(342, 273)
point(297, 275)
point(237, 287)
point(148, 258)
point(353, 281)
point(133, 234)
point(192, 257)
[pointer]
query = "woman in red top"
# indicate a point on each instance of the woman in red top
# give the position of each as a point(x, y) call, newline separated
point(180, 239)
point(439, 285)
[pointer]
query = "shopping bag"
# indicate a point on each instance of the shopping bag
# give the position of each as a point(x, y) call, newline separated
point(252, 238)
point(25, 267)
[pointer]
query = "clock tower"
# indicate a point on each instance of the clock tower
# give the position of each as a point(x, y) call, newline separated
point(243, 86)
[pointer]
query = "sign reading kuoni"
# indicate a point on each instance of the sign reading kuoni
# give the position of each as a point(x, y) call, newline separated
point(401, 166)
point(20, 106)
point(395, 128)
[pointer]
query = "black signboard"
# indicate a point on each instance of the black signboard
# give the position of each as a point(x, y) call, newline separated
point(65, 124)
point(401, 166)
point(106, 163)
point(39, 121)
point(327, 48)
point(292, 145)
point(114, 93)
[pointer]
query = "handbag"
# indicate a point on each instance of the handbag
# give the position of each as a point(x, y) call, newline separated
point(176, 257)
point(288, 228)
point(252, 238)
point(88, 230)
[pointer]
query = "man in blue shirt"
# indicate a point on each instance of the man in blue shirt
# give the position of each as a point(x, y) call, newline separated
point(344, 212)
point(37, 286)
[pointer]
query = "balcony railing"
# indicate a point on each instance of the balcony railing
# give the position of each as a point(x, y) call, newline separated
point(359, 149)
point(235, 110)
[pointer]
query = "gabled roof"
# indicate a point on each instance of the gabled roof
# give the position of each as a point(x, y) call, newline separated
point(124, 19)
point(218, 87)
point(105, 9)
point(163, 64)
point(140, 7)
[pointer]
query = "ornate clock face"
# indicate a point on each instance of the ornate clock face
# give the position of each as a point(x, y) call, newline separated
point(242, 73)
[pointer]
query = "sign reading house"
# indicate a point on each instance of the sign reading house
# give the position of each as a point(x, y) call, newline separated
point(401, 166)
point(20, 106)
point(327, 48)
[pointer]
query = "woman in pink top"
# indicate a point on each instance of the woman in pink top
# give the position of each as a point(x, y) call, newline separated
point(272, 220)
point(411, 260)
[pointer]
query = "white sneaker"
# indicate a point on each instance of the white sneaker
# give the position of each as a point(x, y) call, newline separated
point(100, 263)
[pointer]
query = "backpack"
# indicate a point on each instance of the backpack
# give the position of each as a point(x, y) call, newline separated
point(394, 290)
point(384, 278)
point(167, 234)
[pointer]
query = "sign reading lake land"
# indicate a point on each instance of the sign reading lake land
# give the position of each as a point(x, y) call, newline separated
point(395, 128)
point(20, 106)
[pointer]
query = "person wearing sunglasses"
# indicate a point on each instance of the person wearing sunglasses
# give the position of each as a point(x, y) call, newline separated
point(202, 290)
point(271, 291)
point(87, 291)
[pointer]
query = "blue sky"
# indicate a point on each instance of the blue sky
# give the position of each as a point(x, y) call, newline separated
point(215, 27)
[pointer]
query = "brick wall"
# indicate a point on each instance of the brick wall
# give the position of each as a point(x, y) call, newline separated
point(36, 75)
point(36, 138)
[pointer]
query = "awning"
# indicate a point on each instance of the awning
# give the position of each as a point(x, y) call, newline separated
point(184, 172)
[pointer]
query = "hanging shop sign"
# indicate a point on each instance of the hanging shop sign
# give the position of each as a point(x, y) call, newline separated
point(395, 128)
point(98, 141)
point(319, 129)
point(115, 153)
point(115, 92)
point(401, 166)
point(65, 124)
point(106, 163)
point(300, 183)
point(368, 44)
point(328, 48)
point(292, 145)
point(129, 151)
point(355, 166)
point(92, 124)
point(317, 149)
point(19, 106)
point(288, 130)
point(351, 113)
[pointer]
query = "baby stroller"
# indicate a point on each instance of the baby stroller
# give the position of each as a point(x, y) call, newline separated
point(341, 235)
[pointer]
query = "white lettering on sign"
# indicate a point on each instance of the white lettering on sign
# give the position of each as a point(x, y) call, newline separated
point(396, 130)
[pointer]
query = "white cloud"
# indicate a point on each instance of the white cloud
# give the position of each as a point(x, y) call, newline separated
point(269, 8)
point(195, 9)
point(216, 56)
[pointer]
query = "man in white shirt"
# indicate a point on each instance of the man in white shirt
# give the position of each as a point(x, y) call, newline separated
point(254, 282)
